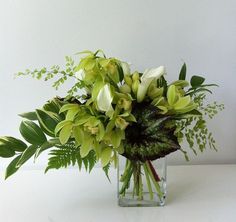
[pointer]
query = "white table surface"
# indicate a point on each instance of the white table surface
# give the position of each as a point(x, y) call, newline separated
point(195, 193)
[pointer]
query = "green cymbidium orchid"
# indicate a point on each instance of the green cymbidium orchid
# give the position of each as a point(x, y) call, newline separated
point(175, 103)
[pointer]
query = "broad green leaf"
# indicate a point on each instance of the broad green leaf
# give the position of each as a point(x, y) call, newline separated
point(196, 81)
point(182, 74)
point(65, 133)
point(13, 143)
point(182, 102)
point(48, 121)
point(29, 115)
point(11, 169)
point(32, 133)
point(171, 95)
point(26, 155)
point(106, 156)
point(5, 150)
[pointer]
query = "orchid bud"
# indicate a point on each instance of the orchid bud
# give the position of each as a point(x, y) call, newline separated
point(125, 88)
point(128, 80)
point(135, 76)
point(135, 86)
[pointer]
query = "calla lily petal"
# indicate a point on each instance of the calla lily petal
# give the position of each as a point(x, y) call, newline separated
point(104, 98)
point(126, 68)
point(146, 79)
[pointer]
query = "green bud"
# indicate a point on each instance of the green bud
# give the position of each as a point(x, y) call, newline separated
point(125, 89)
point(128, 80)
point(135, 76)
point(135, 86)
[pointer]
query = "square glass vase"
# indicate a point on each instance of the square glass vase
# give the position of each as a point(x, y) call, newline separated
point(141, 184)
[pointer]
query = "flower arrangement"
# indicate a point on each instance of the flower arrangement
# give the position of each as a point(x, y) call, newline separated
point(111, 111)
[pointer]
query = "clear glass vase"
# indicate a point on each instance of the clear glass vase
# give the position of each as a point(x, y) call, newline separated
point(141, 184)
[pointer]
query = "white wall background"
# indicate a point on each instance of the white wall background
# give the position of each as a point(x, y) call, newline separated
point(146, 33)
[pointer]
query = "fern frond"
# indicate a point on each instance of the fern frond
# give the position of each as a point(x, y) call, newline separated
point(69, 155)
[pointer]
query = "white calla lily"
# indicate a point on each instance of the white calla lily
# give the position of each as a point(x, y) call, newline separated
point(148, 76)
point(126, 68)
point(104, 99)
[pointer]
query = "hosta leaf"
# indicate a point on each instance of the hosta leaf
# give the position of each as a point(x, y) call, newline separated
point(29, 115)
point(106, 156)
point(48, 121)
point(26, 155)
point(12, 143)
point(11, 169)
point(32, 133)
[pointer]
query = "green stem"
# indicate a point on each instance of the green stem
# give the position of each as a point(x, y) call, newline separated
point(126, 171)
point(126, 179)
point(140, 194)
point(148, 181)
point(156, 184)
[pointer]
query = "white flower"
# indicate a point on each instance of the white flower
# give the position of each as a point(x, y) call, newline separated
point(104, 99)
point(146, 79)
point(126, 68)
